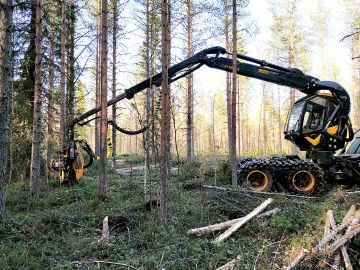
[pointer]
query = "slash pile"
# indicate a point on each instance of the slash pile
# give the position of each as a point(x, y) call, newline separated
point(333, 245)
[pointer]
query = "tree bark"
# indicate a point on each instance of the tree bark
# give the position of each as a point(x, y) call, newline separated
point(62, 78)
point(5, 93)
point(190, 87)
point(103, 117)
point(232, 150)
point(50, 112)
point(36, 137)
point(71, 62)
point(115, 30)
point(97, 80)
point(228, 81)
point(165, 112)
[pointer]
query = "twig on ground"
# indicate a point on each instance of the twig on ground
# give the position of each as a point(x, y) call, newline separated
point(105, 262)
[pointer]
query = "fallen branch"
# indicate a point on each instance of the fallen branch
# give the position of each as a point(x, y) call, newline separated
point(230, 265)
point(241, 222)
point(241, 190)
point(105, 262)
point(226, 224)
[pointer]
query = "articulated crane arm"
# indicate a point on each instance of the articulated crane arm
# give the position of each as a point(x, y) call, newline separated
point(246, 66)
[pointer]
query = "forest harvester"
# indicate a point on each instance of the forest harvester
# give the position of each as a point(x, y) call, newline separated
point(317, 123)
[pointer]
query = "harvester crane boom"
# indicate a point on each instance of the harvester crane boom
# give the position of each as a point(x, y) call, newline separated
point(317, 123)
point(260, 69)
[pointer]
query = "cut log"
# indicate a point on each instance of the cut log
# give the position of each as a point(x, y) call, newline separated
point(240, 223)
point(337, 262)
point(105, 235)
point(297, 260)
point(230, 265)
point(344, 253)
point(319, 248)
point(349, 213)
point(327, 226)
point(323, 262)
point(226, 224)
point(344, 239)
point(331, 235)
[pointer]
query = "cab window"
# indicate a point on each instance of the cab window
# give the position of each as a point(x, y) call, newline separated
point(313, 118)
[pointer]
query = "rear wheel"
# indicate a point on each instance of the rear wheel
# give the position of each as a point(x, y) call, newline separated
point(303, 181)
point(259, 180)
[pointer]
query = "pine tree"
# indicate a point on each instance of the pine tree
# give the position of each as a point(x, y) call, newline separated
point(103, 116)
point(5, 93)
point(165, 110)
point(114, 50)
point(36, 139)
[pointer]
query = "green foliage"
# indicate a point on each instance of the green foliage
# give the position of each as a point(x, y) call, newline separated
point(225, 172)
point(63, 226)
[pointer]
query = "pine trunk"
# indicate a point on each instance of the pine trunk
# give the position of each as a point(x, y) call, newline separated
point(71, 62)
point(36, 137)
point(165, 112)
point(5, 93)
point(115, 28)
point(62, 79)
point(97, 80)
point(232, 151)
point(103, 116)
point(149, 112)
point(190, 90)
point(228, 81)
point(50, 112)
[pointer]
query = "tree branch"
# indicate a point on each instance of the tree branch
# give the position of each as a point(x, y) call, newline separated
point(350, 35)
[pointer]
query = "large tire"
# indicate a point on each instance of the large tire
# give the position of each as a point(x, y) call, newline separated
point(305, 179)
point(259, 179)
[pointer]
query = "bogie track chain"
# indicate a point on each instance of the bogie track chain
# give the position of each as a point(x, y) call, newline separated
point(290, 173)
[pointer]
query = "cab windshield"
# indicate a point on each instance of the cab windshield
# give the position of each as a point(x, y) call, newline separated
point(293, 124)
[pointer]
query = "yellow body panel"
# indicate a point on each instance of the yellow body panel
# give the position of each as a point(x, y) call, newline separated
point(79, 173)
point(315, 141)
point(332, 130)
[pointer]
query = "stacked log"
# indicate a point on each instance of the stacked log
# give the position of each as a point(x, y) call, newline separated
point(333, 246)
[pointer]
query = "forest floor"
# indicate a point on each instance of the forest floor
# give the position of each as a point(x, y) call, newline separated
point(61, 229)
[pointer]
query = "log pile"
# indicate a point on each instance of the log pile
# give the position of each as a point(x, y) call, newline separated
point(332, 249)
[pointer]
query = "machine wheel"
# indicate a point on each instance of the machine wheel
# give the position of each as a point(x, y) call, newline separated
point(259, 180)
point(303, 181)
